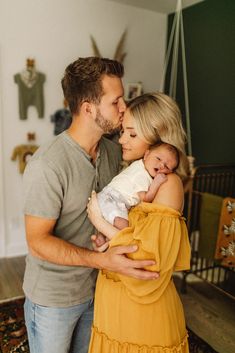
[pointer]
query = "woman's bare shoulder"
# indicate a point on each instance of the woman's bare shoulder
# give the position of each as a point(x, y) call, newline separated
point(171, 193)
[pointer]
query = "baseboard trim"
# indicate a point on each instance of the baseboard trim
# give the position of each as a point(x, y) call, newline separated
point(7, 300)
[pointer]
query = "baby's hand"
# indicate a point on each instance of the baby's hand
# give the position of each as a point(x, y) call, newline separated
point(160, 178)
point(99, 242)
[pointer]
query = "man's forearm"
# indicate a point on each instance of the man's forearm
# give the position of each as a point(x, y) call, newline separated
point(61, 252)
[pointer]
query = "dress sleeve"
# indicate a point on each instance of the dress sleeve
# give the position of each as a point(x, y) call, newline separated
point(162, 237)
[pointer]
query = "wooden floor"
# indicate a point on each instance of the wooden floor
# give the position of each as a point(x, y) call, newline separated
point(209, 313)
point(11, 277)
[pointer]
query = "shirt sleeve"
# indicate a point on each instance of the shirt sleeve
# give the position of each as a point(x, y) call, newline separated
point(15, 153)
point(16, 78)
point(160, 238)
point(43, 77)
point(43, 191)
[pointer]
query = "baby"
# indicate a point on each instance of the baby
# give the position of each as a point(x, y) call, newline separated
point(138, 182)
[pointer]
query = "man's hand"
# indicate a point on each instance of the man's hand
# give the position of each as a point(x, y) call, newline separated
point(115, 260)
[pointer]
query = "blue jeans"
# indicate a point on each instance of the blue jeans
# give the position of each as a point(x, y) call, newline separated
point(59, 330)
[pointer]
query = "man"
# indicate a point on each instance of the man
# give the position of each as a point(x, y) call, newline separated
point(60, 268)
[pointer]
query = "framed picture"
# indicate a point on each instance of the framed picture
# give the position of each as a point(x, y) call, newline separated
point(133, 90)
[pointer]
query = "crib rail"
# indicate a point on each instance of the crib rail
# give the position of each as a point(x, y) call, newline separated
point(218, 180)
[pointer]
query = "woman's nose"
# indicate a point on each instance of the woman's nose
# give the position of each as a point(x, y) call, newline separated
point(121, 139)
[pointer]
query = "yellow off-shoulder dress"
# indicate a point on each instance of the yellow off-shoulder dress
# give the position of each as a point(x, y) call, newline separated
point(136, 316)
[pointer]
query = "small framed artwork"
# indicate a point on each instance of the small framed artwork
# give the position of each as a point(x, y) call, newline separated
point(133, 90)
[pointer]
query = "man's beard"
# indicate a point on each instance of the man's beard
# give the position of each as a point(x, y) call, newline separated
point(106, 125)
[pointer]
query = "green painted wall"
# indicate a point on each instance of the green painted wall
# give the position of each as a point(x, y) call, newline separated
point(209, 29)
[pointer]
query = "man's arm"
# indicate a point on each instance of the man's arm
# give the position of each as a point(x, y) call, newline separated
point(44, 245)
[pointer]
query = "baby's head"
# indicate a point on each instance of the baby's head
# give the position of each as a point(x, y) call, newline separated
point(161, 158)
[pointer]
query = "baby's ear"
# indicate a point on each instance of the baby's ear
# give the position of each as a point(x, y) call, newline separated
point(146, 154)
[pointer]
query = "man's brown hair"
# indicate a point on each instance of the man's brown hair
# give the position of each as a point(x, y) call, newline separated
point(82, 81)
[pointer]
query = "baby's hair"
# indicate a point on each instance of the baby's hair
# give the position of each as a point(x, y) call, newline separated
point(172, 149)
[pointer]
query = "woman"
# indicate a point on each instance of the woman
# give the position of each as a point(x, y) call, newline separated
point(146, 316)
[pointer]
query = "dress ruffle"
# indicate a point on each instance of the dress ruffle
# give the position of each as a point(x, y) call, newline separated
point(100, 343)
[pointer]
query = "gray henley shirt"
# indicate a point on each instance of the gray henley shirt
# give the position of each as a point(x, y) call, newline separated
point(58, 180)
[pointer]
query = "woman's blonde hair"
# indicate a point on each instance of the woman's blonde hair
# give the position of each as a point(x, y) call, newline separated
point(157, 118)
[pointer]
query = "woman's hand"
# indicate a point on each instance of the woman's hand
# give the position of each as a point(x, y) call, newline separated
point(94, 212)
point(96, 218)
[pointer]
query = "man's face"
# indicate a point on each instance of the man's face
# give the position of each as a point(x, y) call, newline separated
point(110, 110)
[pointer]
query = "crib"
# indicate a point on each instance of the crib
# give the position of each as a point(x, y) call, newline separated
point(216, 180)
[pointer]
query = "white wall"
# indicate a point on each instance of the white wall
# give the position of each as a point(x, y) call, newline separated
point(56, 32)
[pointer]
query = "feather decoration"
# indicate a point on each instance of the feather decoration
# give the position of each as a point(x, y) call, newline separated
point(95, 47)
point(119, 54)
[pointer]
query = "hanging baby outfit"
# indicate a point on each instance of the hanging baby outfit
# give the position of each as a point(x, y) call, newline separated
point(23, 153)
point(62, 119)
point(30, 91)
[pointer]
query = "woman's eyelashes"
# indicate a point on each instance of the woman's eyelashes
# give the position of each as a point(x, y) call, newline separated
point(127, 133)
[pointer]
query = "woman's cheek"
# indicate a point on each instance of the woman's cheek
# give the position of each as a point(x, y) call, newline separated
point(130, 155)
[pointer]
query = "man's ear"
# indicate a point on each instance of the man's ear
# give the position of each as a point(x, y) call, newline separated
point(146, 154)
point(87, 108)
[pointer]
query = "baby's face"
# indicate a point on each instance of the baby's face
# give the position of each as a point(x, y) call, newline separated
point(159, 160)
